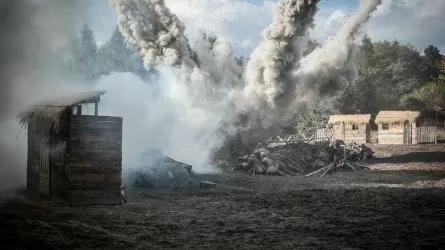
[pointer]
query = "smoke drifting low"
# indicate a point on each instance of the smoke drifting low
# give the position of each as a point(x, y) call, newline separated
point(159, 118)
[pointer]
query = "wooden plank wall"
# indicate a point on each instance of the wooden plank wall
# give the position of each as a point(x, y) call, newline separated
point(392, 136)
point(358, 136)
point(59, 158)
point(95, 160)
point(337, 132)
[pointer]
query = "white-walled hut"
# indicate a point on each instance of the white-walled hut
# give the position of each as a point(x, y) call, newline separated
point(351, 128)
point(73, 158)
point(397, 127)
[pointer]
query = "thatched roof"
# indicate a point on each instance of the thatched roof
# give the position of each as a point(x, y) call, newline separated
point(396, 116)
point(362, 118)
point(49, 113)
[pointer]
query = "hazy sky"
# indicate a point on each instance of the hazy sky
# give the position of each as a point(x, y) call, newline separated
point(418, 22)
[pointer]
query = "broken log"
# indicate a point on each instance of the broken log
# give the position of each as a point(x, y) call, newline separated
point(328, 169)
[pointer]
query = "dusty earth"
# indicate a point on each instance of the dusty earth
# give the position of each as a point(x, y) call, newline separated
point(399, 203)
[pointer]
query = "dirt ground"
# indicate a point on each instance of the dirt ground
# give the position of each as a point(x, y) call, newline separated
point(399, 203)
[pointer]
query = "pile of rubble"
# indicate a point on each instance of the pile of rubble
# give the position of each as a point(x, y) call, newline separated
point(304, 158)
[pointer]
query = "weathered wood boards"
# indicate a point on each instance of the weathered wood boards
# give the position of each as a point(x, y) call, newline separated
point(95, 160)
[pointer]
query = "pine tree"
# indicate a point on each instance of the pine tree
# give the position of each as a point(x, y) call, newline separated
point(118, 56)
point(87, 50)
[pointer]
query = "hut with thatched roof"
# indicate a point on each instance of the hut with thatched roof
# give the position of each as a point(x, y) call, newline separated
point(72, 157)
point(397, 127)
point(351, 128)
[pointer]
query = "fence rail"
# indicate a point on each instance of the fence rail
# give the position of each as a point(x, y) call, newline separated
point(427, 134)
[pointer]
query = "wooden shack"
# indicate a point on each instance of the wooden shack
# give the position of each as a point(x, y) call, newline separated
point(351, 128)
point(74, 158)
point(397, 127)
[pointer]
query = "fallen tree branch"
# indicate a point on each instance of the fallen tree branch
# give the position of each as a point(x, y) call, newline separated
point(321, 169)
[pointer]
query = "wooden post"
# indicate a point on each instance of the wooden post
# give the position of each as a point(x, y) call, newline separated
point(79, 109)
point(96, 108)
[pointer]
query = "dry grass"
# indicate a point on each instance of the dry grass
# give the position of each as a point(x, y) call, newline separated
point(359, 118)
point(396, 116)
point(49, 113)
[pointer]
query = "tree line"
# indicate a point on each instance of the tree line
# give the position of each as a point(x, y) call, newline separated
point(391, 75)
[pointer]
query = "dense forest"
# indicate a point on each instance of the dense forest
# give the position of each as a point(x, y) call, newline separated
point(391, 75)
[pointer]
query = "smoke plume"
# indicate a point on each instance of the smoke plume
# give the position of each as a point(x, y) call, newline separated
point(329, 69)
point(154, 29)
point(267, 72)
point(197, 95)
point(279, 76)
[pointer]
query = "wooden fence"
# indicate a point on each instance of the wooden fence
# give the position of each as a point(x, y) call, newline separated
point(426, 134)
point(318, 135)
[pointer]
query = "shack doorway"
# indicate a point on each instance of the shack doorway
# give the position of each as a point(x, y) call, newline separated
point(407, 133)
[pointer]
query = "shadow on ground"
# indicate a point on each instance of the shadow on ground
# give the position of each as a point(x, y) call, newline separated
point(424, 157)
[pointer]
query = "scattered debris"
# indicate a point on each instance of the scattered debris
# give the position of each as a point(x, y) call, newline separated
point(157, 170)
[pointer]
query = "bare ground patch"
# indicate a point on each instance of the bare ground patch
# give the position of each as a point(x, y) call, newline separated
point(342, 210)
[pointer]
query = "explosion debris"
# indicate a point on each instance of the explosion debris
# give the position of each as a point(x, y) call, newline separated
point(157, 170)
point(303, 158)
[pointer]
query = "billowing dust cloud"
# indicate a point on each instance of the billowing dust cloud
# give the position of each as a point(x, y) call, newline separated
point(268, 71)
point(277, 79)
point(158, 33)
point(279, 75)
point(330, 69)
point(214, 90)
point(197, 95)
